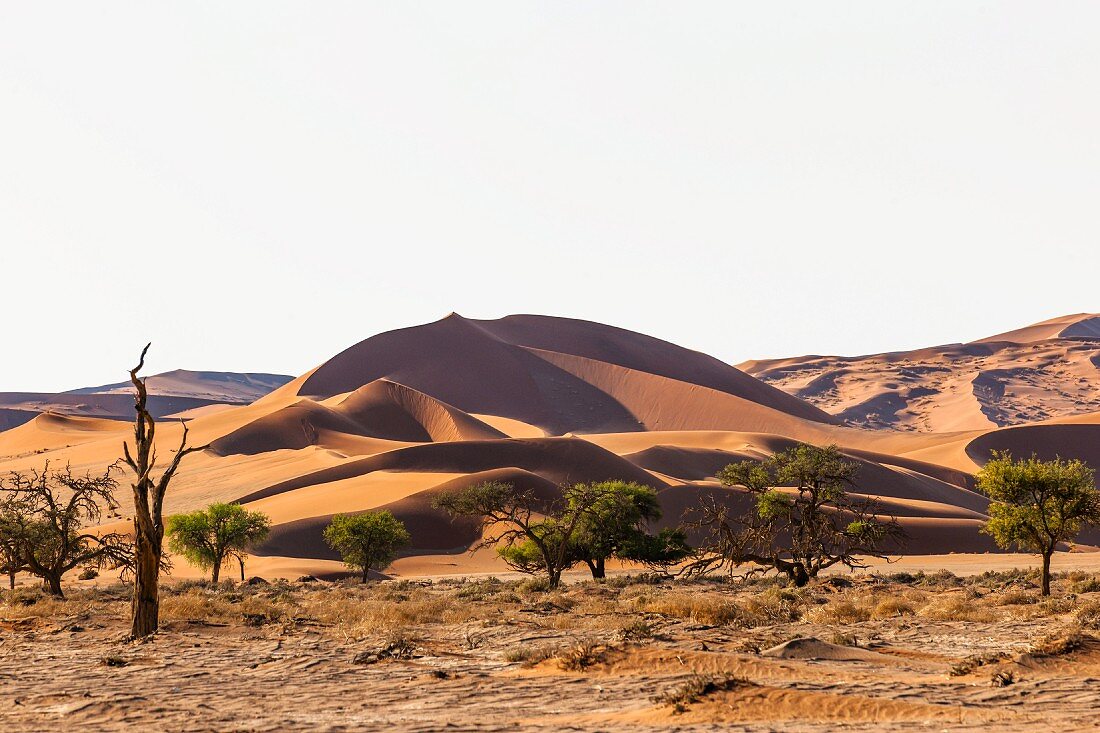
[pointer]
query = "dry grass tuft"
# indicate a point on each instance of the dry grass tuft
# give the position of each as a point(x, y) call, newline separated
point(581, 656)
point(841, 611)
point(695, 689)
point(1088, 615)
point(1058, 643)
point(957, 607)
point(695, 607)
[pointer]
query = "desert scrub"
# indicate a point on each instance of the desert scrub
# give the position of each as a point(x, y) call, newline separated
point(701, 609)
point(530, 655)
point(957, 607)
point(1058, 643)
point(695, 689)
point(1088, 615)
point(1017, 598)
point(581, 656)
point(892, 607)
point(773, 606)
point(1088, 584)
point(635, 631)
point(841, 611)
point(365, 613)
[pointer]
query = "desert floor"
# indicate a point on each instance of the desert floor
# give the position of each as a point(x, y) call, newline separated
point(884, 651)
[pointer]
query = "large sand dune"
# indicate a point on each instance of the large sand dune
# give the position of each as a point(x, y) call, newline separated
point(1048, 370)
point(398, 418)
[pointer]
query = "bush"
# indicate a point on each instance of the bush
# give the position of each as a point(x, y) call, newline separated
point(1088, 585)
point(1088, 615)
point(840, 612)
point(696, 689)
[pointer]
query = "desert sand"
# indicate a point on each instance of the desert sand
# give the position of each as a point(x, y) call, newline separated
point(873, 653)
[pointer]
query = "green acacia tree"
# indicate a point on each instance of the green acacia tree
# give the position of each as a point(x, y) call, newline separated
point(367, 541)
point(1035, 505)
point(588, 523)
point(614, 519)
point(530, 533)
point(809, 523)
point(211, 536)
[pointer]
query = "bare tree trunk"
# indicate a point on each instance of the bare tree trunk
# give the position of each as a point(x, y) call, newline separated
point(11, 579)
point(555, 579)
point(241, 561)
point(1045, 591)
point(217, 573)
point(146, 603)
point(797, 575)
point(148, 507)
point(53, 584)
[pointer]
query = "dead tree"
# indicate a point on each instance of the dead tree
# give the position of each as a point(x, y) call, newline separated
point(11, 549)
point(44, 519)
point(148, 506)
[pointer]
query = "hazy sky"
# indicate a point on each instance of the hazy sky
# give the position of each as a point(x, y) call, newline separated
point(256, 186)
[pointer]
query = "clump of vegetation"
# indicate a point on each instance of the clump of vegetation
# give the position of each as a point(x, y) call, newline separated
point(969, 664)
point(639, 630)
point(840, 611)
point(1037, 505)
point(367, 541)
point(695, 689)
point(1058, 643)
point(529, 656)
point(957, 607)
point(1088, 615)
point(810, 523)
point(211, 536)
point(892, 607)
point(581, 656)
point(1086, 585)
point(699, 608)
point(43, 515)
point(588, 523)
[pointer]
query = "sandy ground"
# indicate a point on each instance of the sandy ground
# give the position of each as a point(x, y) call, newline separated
point(934, 652)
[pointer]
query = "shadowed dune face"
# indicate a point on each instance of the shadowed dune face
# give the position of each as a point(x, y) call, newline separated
point(475, 367)
point(542, 402)
point(1040, 372)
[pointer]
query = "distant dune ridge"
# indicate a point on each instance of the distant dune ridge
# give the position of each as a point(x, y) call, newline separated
point(540, 401)
point(1040, 372)
point(172, 392)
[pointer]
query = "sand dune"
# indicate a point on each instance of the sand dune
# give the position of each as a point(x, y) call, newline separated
point(541, 401)
point(179, 392)
point(1040, 372)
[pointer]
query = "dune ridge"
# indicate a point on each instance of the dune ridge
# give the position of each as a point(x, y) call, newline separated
point(541, 401)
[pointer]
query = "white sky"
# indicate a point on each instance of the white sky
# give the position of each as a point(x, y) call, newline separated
point(256, 186)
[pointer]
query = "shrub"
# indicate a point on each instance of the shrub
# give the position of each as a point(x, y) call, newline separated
point(695, 689)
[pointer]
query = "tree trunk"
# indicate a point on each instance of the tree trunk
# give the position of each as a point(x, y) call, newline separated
point(146, 603)
point(217, 573)
point(365, 571)
point(53, 584)
point(11, 579)
point(600, 570)
point(1046, 574)
point(555, 579)
point(241, 561)
point(797, 575)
